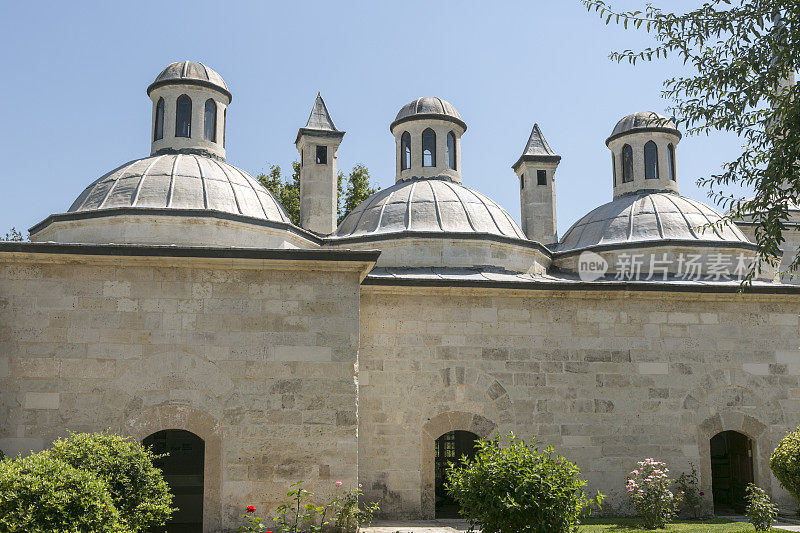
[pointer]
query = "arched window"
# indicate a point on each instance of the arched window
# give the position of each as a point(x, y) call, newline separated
point(521, 181)
point(614, 167)
point(428, 148)
point(451, 151)
point(405, 151)
point(158, 129)
point(224, 124)
point(650, 161)
point(210, 121)
point(627, 163)
point(183, 117)
point(671, 161)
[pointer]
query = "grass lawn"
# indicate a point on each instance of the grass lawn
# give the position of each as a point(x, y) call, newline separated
point(630, 525)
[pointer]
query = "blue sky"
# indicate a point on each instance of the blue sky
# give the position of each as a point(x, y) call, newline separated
point(75, 75)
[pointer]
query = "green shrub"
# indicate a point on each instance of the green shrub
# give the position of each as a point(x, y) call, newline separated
point(687, 486)
point(648, 490)
point(518, 488)
point(136, 486)
point(785, 463)
point(41, 494)
point(760, 510)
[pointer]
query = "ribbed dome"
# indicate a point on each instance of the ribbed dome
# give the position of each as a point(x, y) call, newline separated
point(428, 107)
point(181, 181)
point(643, 121)
point(648, 216)
point(428, 205)
point(190, 72)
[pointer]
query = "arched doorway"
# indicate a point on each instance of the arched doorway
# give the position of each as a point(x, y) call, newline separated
point(450, 447)
point(183, 471)
point(731, 470)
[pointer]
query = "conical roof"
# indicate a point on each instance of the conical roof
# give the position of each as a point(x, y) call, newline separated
point(537, 149)
point(319, 122)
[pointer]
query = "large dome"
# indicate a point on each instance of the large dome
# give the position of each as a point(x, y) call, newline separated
point(647, 216)
point(428, 107)
point(428, 205)
point(181, 181)
point(192, 73)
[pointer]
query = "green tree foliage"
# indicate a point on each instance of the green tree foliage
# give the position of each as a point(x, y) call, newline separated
point(741, 51)
point(518, 488)
point(352, 189)
point(785, 463)
point(42, 494)
point(137, 488)
point(13, 235)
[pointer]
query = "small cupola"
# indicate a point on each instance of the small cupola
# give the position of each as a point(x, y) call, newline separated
point(643, 153)
point(428, 134)
point(190, 101)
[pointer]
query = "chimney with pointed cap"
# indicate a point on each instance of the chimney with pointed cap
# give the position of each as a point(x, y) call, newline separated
point(536, 169)
point(318, 143)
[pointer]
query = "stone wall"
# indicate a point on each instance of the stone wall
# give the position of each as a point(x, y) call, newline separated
point(607, 377)
point(257, 359)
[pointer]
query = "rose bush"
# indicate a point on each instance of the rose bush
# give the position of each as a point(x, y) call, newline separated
point(648, 488)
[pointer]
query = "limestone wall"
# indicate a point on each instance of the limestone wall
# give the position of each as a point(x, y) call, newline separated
point(608, 378)
point(256, 360)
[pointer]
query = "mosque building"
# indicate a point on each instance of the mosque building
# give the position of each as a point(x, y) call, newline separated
point(175, 302)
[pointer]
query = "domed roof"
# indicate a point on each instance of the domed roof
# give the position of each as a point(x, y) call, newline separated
point(181, 181)
point(649, 216)
point(428, 205)
point(190, 72)
point(641, 122)
point(428, 107)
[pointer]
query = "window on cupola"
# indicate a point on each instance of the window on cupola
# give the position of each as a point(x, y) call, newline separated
point(451, 151)
point(158, 130)
point(322, 155)
point(650, 161)
point(405, 151)
point(627, 163)
point(210, 123)
point(183, 117)
point(428, 148)
point(671, 161)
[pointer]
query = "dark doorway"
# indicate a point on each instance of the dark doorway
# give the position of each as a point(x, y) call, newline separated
point(731, 470)
point(450, 447)
point(183, 471)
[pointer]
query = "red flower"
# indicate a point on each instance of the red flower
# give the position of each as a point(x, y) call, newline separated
point(250, 509)
point(702, 494)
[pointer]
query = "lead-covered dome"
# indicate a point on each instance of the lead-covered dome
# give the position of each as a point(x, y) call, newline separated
point(645, 217)
point(190, 73)
point(641, 122)
point(428, 107)
point(428, 205)
point(181, 181)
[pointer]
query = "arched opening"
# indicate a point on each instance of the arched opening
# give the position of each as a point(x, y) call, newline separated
point(183, 468)
point(650, 161)
point(405, 151)
point(627, 163)
point(450, 447)
point(158, 128)
point(614, 167)
point(451, 151)
point(210, 121)
point(428, 148)
point(183, 117)
point(671, 161)
point(731, 470)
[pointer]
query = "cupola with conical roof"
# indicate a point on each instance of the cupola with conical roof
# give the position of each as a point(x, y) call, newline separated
point(427, 134)
point(643, 153)
point(190, 101)
point(536, 169)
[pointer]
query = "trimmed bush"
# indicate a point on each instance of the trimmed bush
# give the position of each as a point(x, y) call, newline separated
point(136, 487)
point(518, 488)
point(40, 494)
point(785, 463)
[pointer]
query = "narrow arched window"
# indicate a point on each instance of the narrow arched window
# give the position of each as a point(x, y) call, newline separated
point(183, 117)
point(671, 161)
point(405, 151)
point(627, 163)
point(650, 161)
point(451, 151)
point(210, 121)
point(428, 148)
point(224, 124)
point(614, 167)
point(158, 128)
